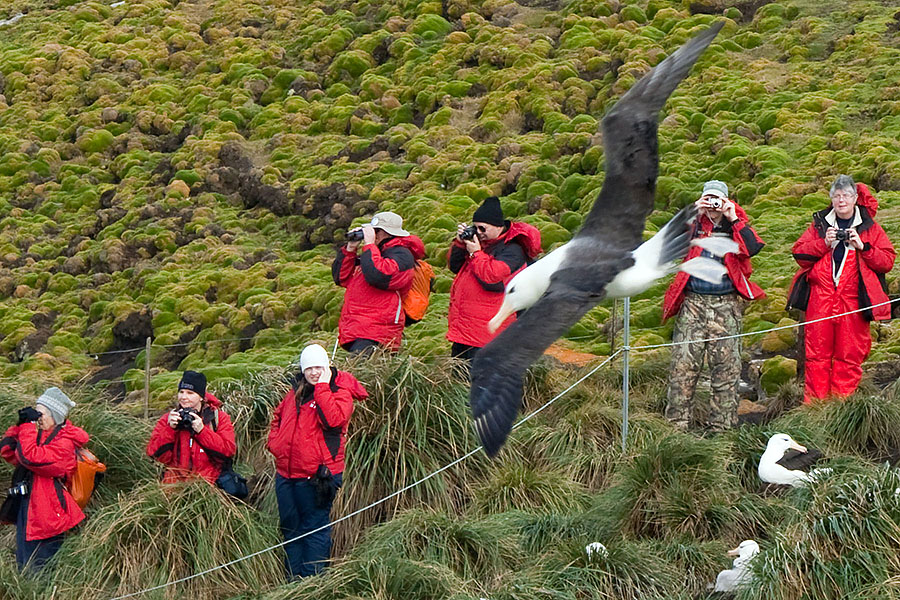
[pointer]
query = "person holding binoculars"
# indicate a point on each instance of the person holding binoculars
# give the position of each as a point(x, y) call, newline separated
point(376, 266)
point(843, 257)
point(42, 447)
point(196, 437)
point(484, 256)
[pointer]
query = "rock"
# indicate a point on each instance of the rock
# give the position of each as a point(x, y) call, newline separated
point(22, 291)
point(109, 115)
point(777, 371)
point(179, 187)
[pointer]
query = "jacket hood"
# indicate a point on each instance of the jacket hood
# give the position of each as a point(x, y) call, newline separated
point(352, 384)
point(212, 401)
point(865, 199)
point(528, 236)
point(78, 435)
point(410, 242)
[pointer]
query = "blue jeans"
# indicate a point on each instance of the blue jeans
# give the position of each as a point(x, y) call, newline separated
point(34, 554)
point(299, 513)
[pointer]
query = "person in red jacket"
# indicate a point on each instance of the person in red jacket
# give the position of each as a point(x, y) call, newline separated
point(843, 257)
point(196, 437)
point(708, 310)
point(42, 447)
point(484, 257)
point(375, 280)
point(307, 439)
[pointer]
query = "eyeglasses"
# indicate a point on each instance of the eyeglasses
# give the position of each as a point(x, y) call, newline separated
point(843, 196)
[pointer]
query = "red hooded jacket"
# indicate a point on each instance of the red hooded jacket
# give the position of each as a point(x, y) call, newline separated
point(186, 453)
point(863, 270)
point(50, 457)
point(375, 281)
point(737, 264)
point(477, 290)
point(309, 427)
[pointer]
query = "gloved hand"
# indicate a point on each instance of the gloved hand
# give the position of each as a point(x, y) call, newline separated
point(28, 415)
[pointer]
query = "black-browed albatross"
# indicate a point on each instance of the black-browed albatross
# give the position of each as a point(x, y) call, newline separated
point(597, 253)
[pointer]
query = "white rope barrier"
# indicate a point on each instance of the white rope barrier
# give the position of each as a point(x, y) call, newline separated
point(370, 506)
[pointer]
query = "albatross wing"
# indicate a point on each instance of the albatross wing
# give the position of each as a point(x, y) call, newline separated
point(595, 255)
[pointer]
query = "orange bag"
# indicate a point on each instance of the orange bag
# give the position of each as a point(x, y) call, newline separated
point(81, 482)
point(415, 300)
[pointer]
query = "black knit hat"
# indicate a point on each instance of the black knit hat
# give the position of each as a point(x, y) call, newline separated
point(194, 381)
point(490, 212)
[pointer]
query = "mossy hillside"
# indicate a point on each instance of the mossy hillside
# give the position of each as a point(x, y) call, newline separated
point(196, 160)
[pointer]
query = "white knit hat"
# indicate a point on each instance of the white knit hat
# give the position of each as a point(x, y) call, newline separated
point(314, 355)
point(56, 401)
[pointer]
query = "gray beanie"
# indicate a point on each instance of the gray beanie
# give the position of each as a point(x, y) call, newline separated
point(56, 401)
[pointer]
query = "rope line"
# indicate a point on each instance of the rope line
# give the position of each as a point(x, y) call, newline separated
point(370, 506)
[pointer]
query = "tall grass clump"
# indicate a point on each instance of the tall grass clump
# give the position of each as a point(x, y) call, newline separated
point(513, 485)
point(867, 424)
point(414, 422)
point(157, 533)
point(677, 485)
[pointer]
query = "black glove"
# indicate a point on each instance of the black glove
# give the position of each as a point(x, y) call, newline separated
point(28, 414)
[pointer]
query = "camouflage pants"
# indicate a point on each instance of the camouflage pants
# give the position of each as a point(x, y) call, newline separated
point(702, 317)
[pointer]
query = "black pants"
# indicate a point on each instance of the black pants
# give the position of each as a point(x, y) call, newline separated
point(361, 346)
point(463, 351)
point(32, 555)
point(300, 514)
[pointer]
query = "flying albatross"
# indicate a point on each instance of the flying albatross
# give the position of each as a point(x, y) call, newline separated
point(600, 250)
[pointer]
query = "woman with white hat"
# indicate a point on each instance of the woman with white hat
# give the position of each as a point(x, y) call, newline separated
point(307, 437)
point(42, 447)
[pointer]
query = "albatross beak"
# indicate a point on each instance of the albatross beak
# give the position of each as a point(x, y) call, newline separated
point(733, 552)
point(797, 446)
point(500, 317)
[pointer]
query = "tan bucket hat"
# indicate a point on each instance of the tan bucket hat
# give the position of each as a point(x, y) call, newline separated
point(391, 223)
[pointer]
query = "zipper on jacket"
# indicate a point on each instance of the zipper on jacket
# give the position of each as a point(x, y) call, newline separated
point(399, 308)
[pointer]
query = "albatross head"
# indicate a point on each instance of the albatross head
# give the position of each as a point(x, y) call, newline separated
point(522, 291)
point(781, 443)
point(745, 549)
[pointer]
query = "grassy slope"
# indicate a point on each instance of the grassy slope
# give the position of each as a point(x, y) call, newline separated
point(397, 107)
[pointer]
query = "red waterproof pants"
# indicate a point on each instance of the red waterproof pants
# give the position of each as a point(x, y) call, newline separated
point(836, 348)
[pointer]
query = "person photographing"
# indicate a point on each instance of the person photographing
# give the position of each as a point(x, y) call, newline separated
point(41, 445)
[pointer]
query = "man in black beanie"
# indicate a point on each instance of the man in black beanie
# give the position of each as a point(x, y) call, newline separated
point(484, 257)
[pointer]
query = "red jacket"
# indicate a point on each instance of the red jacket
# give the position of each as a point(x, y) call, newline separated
point(477, 290)
point(375, 280)
point(309, 427)
point(737, 264)
point(186, 453)
point(862, 272)
point(50, 457)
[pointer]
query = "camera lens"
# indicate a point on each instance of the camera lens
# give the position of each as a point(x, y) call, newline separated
point(355, 236)
point(468, 233)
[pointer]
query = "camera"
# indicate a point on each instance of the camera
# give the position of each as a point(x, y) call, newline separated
point(355, 236)
point(468, 233)
point(19, 489)
point(715, 203)
point(842, 235)
point(186, 421)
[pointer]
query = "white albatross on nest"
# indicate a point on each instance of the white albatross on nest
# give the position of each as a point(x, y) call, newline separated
point(780, 466)
point(739, 575)
point(578, 278)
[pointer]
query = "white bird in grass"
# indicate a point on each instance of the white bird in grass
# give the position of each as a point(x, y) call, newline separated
point(775, 467)
point(653, 260)
point(596, 550)
point(739, 575)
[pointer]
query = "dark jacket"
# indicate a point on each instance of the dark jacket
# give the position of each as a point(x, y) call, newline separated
point(49, 458)
point(737, 264)
point(309, 427)
point(186, 453)
point(375, 281)
point(477, 290)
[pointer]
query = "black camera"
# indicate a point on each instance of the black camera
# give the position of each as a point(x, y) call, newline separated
point(842, 235)
point(186, 422)
point(19, 489)
point(468, 233)
point(355, 236)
